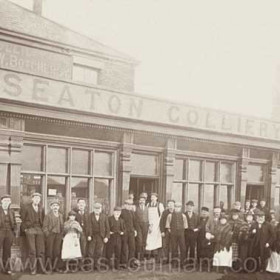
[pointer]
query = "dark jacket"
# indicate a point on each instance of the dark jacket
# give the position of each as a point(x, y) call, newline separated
point(83, 221)
point(49, 223)
point(28, 217)
point(129, 220)
point(193, 221)
point(112, 224)
point(103, 223)
point(12, 218)
point(163, 219)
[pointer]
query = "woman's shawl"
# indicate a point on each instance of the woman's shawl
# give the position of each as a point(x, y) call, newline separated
point(223, 237)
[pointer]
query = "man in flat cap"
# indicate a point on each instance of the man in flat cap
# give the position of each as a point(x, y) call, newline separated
point(154, 239)
point(98, 234)
point(7, 231)
point(254, 205)
point(263, 240)
point(117, 229)
point(128, 240)
point(191, 231)
point(32, 224)
point(263, 207)
point(142, 221)
point(176, 224)
point(53, 230)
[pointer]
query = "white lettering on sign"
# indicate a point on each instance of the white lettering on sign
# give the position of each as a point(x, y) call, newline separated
point(26, 88)
point(33, 61)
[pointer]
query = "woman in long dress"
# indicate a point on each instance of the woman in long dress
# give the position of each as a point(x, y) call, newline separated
point(71, 248)
point(223, 244)
point(273, 264)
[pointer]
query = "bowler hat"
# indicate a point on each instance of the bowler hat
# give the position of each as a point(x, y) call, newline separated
point(205, 209)
point(190, 202)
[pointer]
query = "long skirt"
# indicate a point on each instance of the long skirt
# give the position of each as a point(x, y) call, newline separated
point(71, 248)
point(273, 264)
point(223, 258)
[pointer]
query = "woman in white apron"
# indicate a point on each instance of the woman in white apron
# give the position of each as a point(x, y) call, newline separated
point(273, 264)
point(155, 209)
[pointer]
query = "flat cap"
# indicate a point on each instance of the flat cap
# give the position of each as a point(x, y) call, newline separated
point(117, 208)
point(54, 202)
point(5, 196)
point(178, 204)
point(205, 209)
point(36, 194)
point(190, 202)
point(155, 194)
point(254, 201)
point(97, 205)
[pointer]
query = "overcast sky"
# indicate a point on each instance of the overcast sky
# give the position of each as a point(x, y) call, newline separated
point(219, 54)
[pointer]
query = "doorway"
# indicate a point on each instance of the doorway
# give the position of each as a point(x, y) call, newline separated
point(254, 192)
point(139, 185)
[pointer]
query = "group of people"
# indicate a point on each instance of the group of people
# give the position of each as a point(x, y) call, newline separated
point(242, 238)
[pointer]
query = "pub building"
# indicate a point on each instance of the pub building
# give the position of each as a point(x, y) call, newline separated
point(72, 127)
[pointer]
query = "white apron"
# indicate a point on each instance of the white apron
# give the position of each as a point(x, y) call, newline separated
point(273, 264)
point(223, 258)
point(71, 248)
point(154, 240)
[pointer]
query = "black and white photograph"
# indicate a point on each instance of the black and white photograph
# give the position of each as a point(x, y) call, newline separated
point(139, 139)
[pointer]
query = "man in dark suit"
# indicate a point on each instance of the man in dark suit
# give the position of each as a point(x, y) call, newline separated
point(117, 229)
point(142, 220)
point(83, 219)
point(32, 224)
point(263, 240)
point(7, 231)
point(98, 234)
point(128, 246)
point(166, 242)
point(191, 231)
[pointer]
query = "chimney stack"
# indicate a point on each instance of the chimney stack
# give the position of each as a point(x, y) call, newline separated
point(38, 7)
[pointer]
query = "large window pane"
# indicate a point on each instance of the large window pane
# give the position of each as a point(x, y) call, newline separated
point(79, 189)
point(195, 170)
point(226, 172)
point(56, 191)
point(210, 171)
point(80, 162)
point(193, 194)
point(209, 196)
point(144, 164)
point(224, 195)
point(32, 158)
point(102, 164)
point(177, 192)
point(29, 184)
point(102, 193)
point(57, 160)
point(255, 173)
point(179, 165)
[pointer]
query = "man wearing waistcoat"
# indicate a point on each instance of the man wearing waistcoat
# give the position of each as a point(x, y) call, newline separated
point(191, 231)
point(166, 243)
point(82, 218)
point(53, 226)
point(128, 245)
point(7, 231)
point(98, 234)
point(142, 221)
point(32, 224)
point(176, 224)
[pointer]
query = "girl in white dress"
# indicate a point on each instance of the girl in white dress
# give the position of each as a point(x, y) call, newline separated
point(71, 248)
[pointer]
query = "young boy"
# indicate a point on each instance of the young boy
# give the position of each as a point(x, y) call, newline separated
point(117, 228)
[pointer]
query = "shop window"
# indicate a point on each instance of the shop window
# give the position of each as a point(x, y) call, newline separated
point(178, 169)
point(56, 191)
point(57, 160)
point(177, 192)
point(80, 162)
point(32, 158)
point(29, 184)
point(102, 164)
point(226, 172)
point(208, 196)
point(193, 194)
point(102, 193)
point(210, 171)
point(79, 190)
point(85, 74)
point(225, 195)
point(195, 170)
point(144, 164)
point(255, 173)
